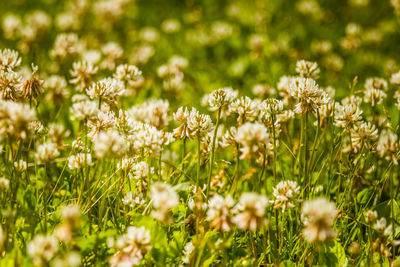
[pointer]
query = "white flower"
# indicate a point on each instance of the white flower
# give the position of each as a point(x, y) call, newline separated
point(109, 143)
point(131, 199)
point(153, 112)
point(253, 138)
point(309, 95)
point(199, 124)
point(82, 108)
point(221, 97)
point(164, 198)
point(220, 212)
point(388, 146)
point(252, 207)
point(285, 193)
point(9, 59)
point(347, 114)
point(42, 248)
point(245, 108)
point(107, 89)
point(79, 160)
point(46, 152)
point(141, 170)
point(187, 252)
point(131, 247)
point(318, 216)
point(307, 69)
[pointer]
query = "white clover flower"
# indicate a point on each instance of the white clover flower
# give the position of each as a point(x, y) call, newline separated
point(103, 121)
point(374, 96)
point(126, 164)
point(370, 216)
point(10, 85)
point(4, 185)
point(363, 134)
point(245, 108)
point(112, 52)
point(83, 109)
point(109, 143)
point(141, 170)
point(347, 115)
point(376, 83)
point(307, 69)
point(107, 89)
point(187, 252)
point(220, 212)
point(9, 59)
point(148, 139)
point(46, 152)
point(132, 200)
point(164, 198)
point(283, 86)
point(309, 95)
point(21, 165)
point(82, 73)
point(254, 140)
point(42, 248)
point(318, 216)
point(16, 120)
point(71, 259)
point(199, 124)
point(388, 146)
point(131, 247)
point(11, 26)
point(395, 78)
point(153, 112)
point(66, 45)
point(252, 212)
point(79, 160)
point(129, 75)
point(171, 26)
point(262, 90)
point(229, 138)
point(182, 116)
point(285, 193)
point(382, 228)
point(221, 98)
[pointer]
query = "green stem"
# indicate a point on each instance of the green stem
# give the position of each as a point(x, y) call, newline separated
point(274, 137)
point(213, 152)
point(306, 178)
point(198, 160)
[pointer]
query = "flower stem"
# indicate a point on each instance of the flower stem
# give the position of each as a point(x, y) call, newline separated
point(198, 160)
point(213, 152)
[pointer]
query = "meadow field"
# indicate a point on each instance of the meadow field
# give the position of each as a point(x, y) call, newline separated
point(199, 133)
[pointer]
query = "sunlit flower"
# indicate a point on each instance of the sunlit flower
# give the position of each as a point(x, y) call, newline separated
point(318, 216)
point(252, 211)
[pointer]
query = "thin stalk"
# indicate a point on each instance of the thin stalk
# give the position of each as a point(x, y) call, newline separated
point(301, 150)
point(99, 102)
point(312, 163)
point(392, 210)
point(198, 160)
point(277, 230)
point(370, 254)
point(253, 246)
point(236, 176)
point(306, 177)
point(274, 137)
point(183, 154)
point(262, 168)
point(213, 152)
point(159, 165)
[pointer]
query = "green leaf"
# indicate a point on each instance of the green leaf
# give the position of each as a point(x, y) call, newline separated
point(364, 195)
point(339, 252)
